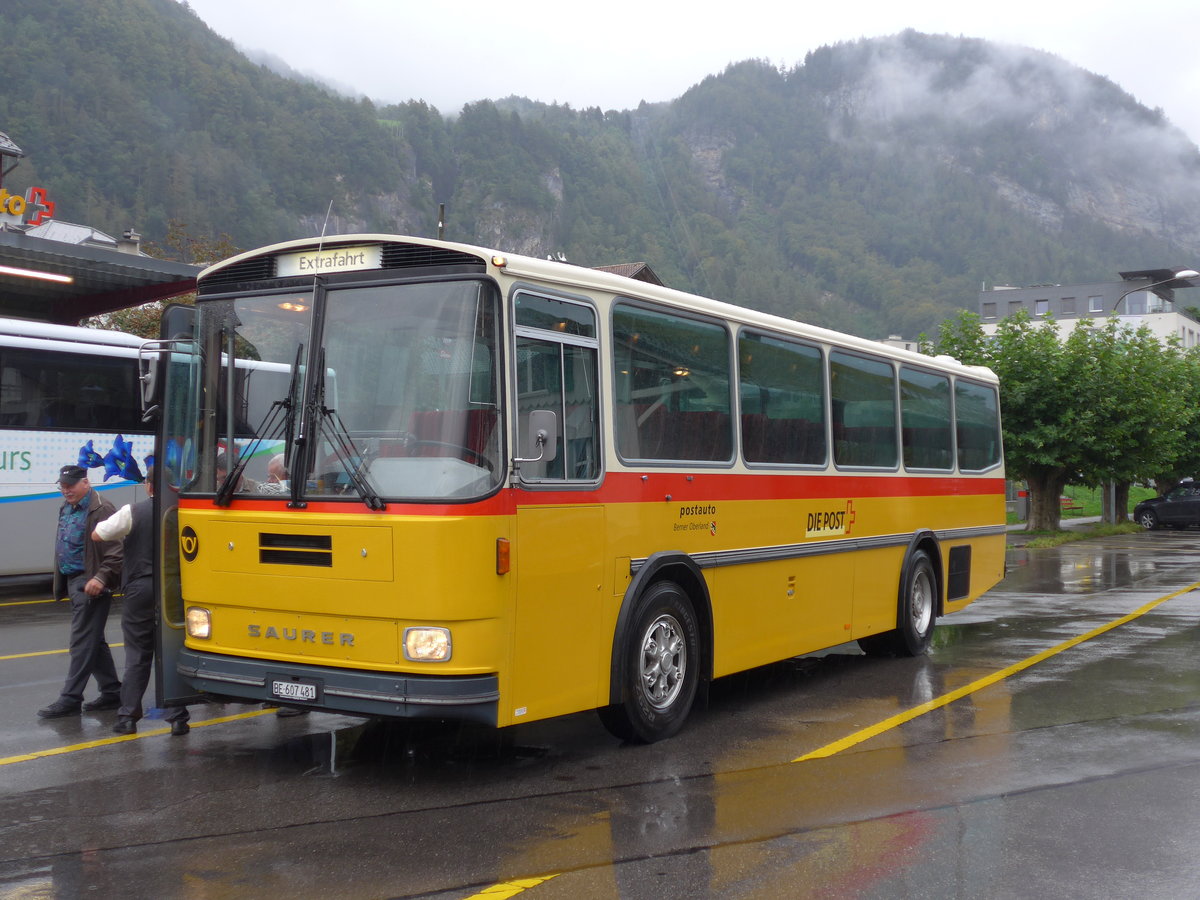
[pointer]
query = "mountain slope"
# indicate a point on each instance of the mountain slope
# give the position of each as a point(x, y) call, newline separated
point(872, 188)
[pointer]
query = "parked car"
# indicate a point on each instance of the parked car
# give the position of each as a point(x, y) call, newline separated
point(1177, 508)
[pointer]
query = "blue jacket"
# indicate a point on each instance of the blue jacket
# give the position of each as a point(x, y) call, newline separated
point(101, 559)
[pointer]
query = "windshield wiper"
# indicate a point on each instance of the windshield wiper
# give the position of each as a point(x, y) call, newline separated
point(295, 485)
point(334, 430)
point(282, 412)
point(232, 477)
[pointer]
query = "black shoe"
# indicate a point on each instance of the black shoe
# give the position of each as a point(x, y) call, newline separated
point(125, 725)
point(104, 701)
point(58, 709)
point(178, 728)
point(285, 712)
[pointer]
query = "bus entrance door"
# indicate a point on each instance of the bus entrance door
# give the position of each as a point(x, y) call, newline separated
point(559, 563)
point(170, 371)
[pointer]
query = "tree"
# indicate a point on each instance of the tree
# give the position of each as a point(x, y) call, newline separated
point(180, 246)
point(1039, 402)
point(1106, 406)
point(1186, 462)
point(1134, 385)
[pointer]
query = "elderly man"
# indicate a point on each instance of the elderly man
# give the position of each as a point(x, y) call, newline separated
point(85, 572)
point(277, 477)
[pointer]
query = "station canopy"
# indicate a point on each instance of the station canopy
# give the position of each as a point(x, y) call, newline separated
point(59, 272)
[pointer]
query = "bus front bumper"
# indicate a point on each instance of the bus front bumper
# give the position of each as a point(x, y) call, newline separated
point(470, 698)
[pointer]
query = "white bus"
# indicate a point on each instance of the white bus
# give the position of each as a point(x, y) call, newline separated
point(67, 396)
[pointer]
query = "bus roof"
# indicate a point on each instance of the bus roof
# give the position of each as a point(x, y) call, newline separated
point(46, 331)
point(569, 275)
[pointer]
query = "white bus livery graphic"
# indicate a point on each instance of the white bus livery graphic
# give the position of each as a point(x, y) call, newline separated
point(67, 396)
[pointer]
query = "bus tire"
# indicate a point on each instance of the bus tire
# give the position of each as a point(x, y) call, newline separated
point(659, 666)
point(915, 615)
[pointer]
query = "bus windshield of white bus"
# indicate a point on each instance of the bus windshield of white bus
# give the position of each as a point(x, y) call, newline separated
point(378, 393)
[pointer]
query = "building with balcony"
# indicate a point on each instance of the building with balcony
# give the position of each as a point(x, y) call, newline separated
point(1144, 297)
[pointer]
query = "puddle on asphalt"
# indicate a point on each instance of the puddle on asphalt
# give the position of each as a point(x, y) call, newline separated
point(398, 744)
point(1074, 570)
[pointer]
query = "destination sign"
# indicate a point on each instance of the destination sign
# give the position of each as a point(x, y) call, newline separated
point(323, 262)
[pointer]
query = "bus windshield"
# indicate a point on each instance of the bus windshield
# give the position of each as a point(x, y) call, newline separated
point(378, 393)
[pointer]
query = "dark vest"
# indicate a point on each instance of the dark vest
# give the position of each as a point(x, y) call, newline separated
point(139, 543)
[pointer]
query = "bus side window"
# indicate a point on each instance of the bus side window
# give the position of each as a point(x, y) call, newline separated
point(674, 389)
point(539, 386)
point(927, 417)
point(581, 426)
point(977, 411)
point(864, 411)
point(20, 399)
point(783, 401)
point(79, 391)
point(558, 371)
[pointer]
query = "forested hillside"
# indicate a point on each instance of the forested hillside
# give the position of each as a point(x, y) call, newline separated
point(873, 188)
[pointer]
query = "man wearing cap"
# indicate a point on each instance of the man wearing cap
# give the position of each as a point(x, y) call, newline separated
point(85, 572)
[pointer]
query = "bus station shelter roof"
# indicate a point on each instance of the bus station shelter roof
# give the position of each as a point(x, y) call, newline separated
point(100, 279)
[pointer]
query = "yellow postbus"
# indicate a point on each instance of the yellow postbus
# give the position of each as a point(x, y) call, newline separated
point(518, 488)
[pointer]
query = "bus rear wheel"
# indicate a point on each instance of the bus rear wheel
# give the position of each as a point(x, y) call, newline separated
point(915, 615)
point(659, 667)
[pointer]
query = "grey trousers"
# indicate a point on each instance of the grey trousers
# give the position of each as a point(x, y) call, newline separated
point(90, 654)
point(137, 625)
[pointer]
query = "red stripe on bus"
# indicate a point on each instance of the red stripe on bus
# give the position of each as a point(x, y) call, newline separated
point(658, 487)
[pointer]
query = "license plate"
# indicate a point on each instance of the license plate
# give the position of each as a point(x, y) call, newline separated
point(294, 690)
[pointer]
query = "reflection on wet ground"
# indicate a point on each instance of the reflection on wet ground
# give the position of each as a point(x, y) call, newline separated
point(400, 747)
point(1100, 564)
point(1013, 627)
point(318, 806)
point(1079, 570)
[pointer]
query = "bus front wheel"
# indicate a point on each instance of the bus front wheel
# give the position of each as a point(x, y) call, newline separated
point(659, 666)
point(915, 614)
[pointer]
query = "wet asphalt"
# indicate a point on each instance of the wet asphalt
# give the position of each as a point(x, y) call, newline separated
point(1049, 745)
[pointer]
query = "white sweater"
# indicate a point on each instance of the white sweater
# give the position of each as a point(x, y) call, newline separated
point(117, 525)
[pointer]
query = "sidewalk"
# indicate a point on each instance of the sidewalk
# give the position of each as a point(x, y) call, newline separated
point(1017, 535)
point(1064, 523)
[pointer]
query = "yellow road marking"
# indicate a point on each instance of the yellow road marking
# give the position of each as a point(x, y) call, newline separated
point(938, 702)
point(37, 653)
point(42, 653)
point(49, 600)
point(122, 738)
point(511, 888)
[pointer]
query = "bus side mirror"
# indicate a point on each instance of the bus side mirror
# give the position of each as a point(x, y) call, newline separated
point(177, 322)
point(148, 357)
point(540, 437)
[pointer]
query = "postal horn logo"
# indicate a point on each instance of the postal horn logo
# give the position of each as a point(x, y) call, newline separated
point(189, 543)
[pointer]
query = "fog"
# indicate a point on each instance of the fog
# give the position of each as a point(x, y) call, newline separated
point(617, 55)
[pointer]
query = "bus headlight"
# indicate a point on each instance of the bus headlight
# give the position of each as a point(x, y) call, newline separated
point(427, 644)
point(198, 622)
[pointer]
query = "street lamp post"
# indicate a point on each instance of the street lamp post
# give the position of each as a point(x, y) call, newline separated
point(1182, 273)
